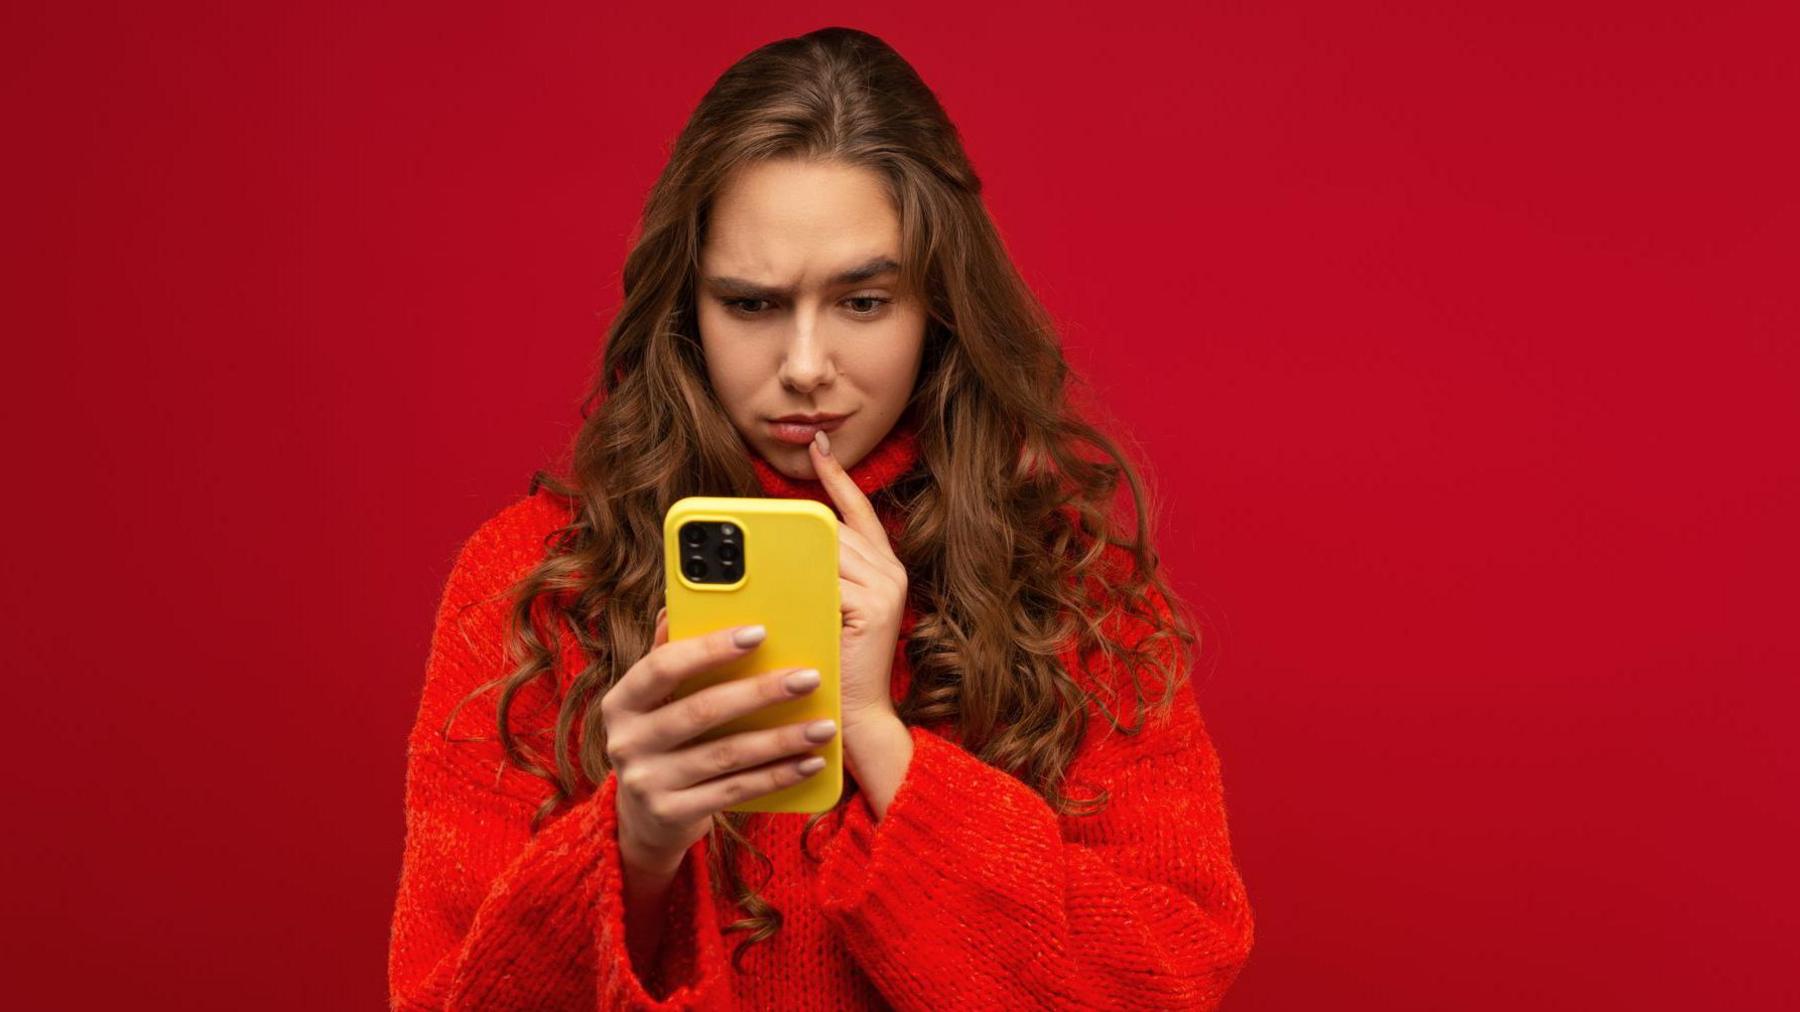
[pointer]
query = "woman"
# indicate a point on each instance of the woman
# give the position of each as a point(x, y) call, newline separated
point(1032, 816)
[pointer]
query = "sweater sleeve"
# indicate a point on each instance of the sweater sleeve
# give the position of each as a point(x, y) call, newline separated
point(972, 892)
point(487, 914)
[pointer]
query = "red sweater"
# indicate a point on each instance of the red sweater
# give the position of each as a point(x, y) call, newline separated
point(970, 893)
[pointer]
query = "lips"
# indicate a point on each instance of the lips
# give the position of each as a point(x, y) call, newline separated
point(801, 433)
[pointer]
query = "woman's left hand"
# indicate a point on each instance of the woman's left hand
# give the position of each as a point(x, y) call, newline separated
point(872, 597)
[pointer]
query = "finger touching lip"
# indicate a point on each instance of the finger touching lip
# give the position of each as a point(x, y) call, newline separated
point(801, 433)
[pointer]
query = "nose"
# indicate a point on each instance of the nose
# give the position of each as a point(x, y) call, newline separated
point(806, 361)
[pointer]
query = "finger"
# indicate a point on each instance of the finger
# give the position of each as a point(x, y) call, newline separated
point(689, 717)
point(697, 763)
point(852, 602)
point(852, 543)
point(857, 511)
point(721, 793)
point(651, 680)
point(662, 628)
point(863, 573)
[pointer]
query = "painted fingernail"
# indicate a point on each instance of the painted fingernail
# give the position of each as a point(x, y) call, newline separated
point(824, 442)
point(749, 635)
point(821, 730)
point(811, 764)
point(802, 681)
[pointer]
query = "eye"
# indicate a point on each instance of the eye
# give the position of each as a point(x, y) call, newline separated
point(875, 306)
point(736, 306)
point(874, 310)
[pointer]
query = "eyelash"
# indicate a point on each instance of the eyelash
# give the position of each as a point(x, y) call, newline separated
point(734, 306)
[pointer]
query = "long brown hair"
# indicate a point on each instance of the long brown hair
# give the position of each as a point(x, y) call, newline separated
point(1009, 511)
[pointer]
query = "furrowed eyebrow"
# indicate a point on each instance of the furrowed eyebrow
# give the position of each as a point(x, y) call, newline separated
point(742, 289)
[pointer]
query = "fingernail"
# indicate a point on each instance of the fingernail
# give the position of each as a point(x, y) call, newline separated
point(812, 764)
point(749, 635)
point(824, 442)
point(801, 681)
point(821, 730)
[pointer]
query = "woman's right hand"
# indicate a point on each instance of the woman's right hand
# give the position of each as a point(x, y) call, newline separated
point(668, 793)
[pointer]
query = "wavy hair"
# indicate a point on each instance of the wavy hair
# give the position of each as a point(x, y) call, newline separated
point(1010, 530)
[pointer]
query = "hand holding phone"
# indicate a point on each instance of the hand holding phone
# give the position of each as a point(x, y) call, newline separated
point(668, 790)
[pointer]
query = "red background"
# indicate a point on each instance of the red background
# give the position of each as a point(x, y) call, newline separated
point(1459, 341)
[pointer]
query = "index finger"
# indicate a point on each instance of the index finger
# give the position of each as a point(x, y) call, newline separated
point(859, 513)
point(651, 680)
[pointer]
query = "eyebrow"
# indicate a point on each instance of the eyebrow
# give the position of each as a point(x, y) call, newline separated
point(740, 288)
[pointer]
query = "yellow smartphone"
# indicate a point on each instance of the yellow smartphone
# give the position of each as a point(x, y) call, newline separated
point(732, 561)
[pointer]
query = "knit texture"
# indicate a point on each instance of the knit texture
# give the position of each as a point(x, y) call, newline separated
point(970, 893)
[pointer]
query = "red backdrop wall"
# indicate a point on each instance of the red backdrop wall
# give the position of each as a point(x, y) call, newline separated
point(1460, 342)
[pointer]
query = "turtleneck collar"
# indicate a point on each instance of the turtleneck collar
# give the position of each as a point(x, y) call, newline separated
point(887, 460)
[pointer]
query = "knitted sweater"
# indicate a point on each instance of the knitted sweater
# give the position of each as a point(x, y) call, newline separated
point(971, 892)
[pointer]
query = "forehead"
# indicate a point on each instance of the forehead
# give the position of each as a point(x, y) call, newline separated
point(788, 222)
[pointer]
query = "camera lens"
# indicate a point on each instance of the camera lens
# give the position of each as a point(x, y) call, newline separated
point(728, 553)
point(694, 568)
point(693, 535)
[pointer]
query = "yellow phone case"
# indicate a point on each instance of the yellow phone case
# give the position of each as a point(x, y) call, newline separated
point(789, 584)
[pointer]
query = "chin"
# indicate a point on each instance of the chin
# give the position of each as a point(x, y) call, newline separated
point(795, 461)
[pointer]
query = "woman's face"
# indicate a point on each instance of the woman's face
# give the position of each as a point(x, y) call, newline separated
point(800, 311)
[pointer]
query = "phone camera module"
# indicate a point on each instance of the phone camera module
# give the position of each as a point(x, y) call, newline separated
point(712, 551)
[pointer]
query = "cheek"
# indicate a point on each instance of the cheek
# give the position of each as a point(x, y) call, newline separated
point(894, 359)
point(734, 371)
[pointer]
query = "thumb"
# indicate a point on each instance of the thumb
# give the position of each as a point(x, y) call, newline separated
point(662, 628)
